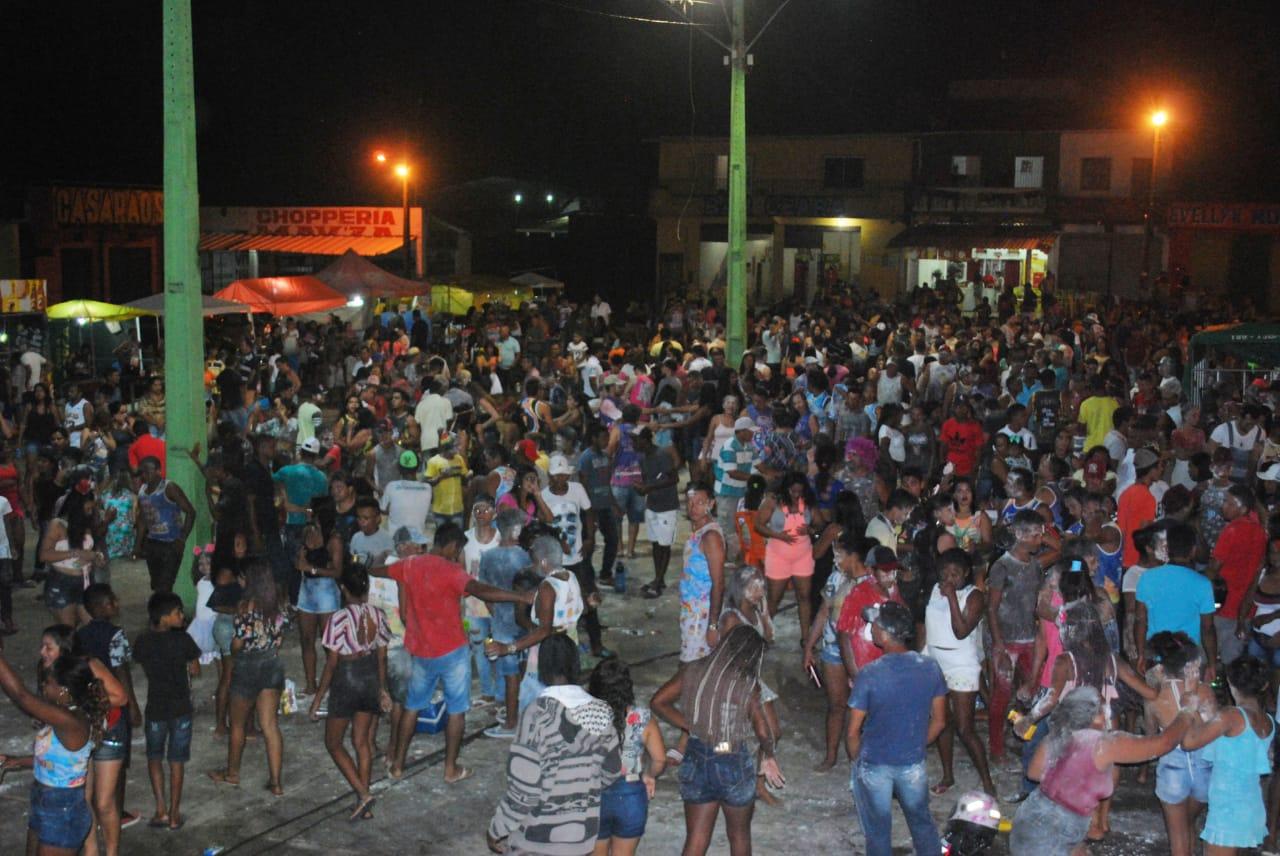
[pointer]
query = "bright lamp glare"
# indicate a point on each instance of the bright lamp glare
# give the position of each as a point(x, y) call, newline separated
point(551, 197)
point(402, 170)
point(82, 321)
point(380, 157)
point(356, 301)
point(519, 197)
point(1159, 118)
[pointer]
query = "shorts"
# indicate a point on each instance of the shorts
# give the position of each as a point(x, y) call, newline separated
point(829, 653)
point(1270, 656)
point(1043, 826)
point(171, 734)
point(60, 817)
point(256, 671)
point(399, 670)
point(961, 673)
point(355, 687)
point(707, 776)
point(661, 526)
point(319, 596)
point(624, 810)
point(62, 590)
point(115, 742)
point(1181, 774)
point(224, 630)
point(442, 519)
point(452, 670)
point(783, 561)
point(631, 503)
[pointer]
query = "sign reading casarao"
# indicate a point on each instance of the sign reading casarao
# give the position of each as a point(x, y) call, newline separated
point(107, 206)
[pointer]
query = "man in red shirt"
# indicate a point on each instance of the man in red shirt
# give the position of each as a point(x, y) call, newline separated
point(856, 646)
point(1237, 557)
point(961, 438)
point(1137, 505)
point(432, 588)
point(145, 446)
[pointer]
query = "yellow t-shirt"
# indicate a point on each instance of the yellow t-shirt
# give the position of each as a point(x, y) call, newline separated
point(1095, 413)
point(446, 498)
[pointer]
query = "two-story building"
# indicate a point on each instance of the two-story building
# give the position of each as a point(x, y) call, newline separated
point(819, 210)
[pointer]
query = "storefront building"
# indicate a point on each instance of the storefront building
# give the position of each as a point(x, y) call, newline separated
point(820, 211)
point(1228, 247)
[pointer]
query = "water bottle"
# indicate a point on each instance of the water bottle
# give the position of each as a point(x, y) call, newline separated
point(214, 850)
point(620, 578)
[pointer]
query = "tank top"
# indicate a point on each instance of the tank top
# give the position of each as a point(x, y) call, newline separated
point(744, 521)
point(1110, 570)
point(965, 531)
point(55, 765)
point(73, 420)
point(161, 513)
point(1011, 509)
point(564, 614)
point(529, 415)
point(73, 567)
point(695, 581)
point(938, 629)
point(626, 462)
point(719, 437)
point(506, 481)
point(1074, 781)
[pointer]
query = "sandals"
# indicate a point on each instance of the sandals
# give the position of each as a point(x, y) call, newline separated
point(363, 809)
point(652, 591)
point(220, 777)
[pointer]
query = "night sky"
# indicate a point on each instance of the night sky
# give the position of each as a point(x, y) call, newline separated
point(294, 97)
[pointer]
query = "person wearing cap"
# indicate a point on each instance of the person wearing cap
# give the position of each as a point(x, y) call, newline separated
point(1137, 505)
point(445, 473)
point(165, 519)
point(573, 517)
point(733, 465)
point(881, 586)
point(898, 706)
point(407, 501)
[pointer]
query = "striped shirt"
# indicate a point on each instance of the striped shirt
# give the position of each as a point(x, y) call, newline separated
point(734, 456)
point(356, 629)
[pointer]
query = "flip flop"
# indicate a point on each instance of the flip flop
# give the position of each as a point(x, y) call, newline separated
point(174, 827)
point(651, 592)
point(219, 777)
point(158, 823)
point(362, 808)
point(464, 773)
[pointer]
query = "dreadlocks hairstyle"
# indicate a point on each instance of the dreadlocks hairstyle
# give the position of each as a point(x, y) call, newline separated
point(718, 688)
point(611, 683)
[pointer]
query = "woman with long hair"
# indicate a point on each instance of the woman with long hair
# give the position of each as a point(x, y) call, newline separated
point(717, 701)
point(624, 805)
point(1074, 765)
point(320, 560)
point(719, 432)
point(971, 527)
point(38, 422)
point(785, 519)
point(69, 548)
point(71, 707)
point(257, 677)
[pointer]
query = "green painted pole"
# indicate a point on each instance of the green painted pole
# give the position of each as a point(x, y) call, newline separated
point(736, 299)
point(184, 326)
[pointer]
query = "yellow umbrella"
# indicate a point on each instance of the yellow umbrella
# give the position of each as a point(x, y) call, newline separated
point(450, 299)
point(92, 310)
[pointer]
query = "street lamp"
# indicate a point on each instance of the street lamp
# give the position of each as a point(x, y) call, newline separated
point(519, 197)
point(551, 198)
point(402, 170)
point(1158, 120)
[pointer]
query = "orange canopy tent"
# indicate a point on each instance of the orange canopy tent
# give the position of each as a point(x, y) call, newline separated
point(354, 275)
point(283, 295)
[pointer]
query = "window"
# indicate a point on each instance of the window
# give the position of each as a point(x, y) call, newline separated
point(842, 172)
point(1140, 183)
point(1095, 173)
point(966, 170)
point(1028, 172)
point(722, 172)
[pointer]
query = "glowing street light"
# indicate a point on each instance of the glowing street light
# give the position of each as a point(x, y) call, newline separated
point(1159, 118)
point(402, 170)
point(380, 157)
point(551, 197)
point(519, 197)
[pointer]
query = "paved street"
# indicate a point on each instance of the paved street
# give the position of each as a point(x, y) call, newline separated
point(421, 815)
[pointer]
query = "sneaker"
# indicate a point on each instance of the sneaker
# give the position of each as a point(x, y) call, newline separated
point(1014, 798)
point(323, 710)
point(500, 732)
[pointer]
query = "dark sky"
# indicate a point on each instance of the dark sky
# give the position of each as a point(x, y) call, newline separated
point(294, 97)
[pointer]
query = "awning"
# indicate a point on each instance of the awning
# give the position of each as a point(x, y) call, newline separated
point(283, 295)
point(301, 244)
point(209, 306)
point(974, 237)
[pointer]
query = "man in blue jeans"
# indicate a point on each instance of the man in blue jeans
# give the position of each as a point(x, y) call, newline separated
point(896, 709)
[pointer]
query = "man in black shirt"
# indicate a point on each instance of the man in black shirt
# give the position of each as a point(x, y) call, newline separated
point(264, 524)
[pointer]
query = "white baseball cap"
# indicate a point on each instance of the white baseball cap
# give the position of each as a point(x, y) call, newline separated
point(311, 446)
point(744, 423)
point(560, 466)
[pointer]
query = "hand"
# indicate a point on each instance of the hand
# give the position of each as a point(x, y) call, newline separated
point(496, 845)
point(314, 711)
point(772, 772)
point(1241, 633)
point(948, 589)
point(594, 599)
point(194, 451)
point(641, 489)
point(650, 784)
point(384, 701)
point(1210, 672)
point(785, 537)
point(806, 662)
point(495, 649)
point(713, 637)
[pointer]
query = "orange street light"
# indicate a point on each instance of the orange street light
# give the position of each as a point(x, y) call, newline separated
point(380, 157)
point(1159, 118)
point(402, 170)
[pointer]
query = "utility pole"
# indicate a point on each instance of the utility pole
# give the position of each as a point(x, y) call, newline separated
point(184, 324)
point(408, 253)
point(736, 299)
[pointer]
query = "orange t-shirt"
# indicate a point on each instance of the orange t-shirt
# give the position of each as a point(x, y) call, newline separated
point(1137, 508)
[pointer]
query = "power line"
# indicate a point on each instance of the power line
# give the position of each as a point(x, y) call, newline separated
point(618, 17)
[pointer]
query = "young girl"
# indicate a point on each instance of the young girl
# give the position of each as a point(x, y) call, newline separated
point(847, 572)
point(121, 532)
point(201, 627)
point(1236, 742)
point(355, 673)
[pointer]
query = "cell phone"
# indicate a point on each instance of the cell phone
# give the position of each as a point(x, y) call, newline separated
point(813, 675)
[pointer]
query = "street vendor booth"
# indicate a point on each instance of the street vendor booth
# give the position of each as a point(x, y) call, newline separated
point(283, 295)
point(23, 324)
point(1239, 353)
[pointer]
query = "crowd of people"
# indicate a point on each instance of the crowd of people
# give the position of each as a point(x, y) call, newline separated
point(1007, 523)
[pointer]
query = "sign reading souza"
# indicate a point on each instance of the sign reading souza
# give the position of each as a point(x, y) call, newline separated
point(328, 221)
point(107, 206)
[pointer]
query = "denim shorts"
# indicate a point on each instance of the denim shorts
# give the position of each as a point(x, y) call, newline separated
point(1270, 656)
point(453, 670)
point(115, 742)
point(624, 809)
point(399, 671)
point(829, 653)
point(62, 590)
point(255, 671)
point(631, 503)
point(319, 595)
point(1181, 774)
point(707, 776)
point(169, 739)
point(60, 817)
point(224, 630)
point(354, 688)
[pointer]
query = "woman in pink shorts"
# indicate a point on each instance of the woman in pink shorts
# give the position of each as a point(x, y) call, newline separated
point(785, 520)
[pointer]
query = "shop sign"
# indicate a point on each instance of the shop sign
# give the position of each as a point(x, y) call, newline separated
point(325, 221)
point(22, 295)
point(808, 206)
point(999, 254)
point(1224, 215)
point(106, 206)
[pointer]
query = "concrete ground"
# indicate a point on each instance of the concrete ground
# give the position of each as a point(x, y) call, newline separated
point(422, 815)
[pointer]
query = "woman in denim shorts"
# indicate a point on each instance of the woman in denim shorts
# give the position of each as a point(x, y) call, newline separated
point(257, 675)
point(319, 560)
point(68, 548)
point(624, 805)
point(716, 699)
point(70, 705)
